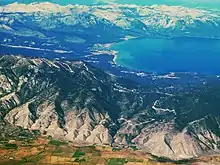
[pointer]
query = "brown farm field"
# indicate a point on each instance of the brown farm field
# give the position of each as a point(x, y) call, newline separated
point(44, 151)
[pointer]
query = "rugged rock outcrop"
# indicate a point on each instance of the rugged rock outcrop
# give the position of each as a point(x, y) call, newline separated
point(76, 102)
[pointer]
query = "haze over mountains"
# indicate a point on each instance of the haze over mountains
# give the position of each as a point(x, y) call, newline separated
point(187, 3)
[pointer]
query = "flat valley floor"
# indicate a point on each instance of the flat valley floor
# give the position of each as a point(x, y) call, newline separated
point(45, 151)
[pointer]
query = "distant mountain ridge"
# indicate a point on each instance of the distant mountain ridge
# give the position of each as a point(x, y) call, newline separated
point(172, 21)
point(73, 31)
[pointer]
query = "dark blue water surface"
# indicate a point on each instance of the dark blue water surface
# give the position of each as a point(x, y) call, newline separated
point(170, 55)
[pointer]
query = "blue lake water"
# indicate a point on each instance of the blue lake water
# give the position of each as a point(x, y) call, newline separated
point(170, 55)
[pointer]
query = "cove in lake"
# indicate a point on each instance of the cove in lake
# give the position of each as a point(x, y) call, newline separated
point(170, 55)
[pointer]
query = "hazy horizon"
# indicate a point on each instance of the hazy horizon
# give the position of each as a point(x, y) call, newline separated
point(188, 3)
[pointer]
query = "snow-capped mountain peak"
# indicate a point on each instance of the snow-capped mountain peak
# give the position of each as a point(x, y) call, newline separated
point(159, 19)
point(35, 7)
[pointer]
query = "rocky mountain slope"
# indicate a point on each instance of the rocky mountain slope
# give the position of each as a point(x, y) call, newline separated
point(76, 102)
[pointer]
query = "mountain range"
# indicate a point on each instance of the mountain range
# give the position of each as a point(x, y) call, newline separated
point(36, 19)
point(77, 31)
point(71, 100)
point(172, 115)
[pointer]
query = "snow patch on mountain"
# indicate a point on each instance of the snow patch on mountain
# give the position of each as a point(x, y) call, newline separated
point(34, 48)
point(35, 7)
point(124, 15)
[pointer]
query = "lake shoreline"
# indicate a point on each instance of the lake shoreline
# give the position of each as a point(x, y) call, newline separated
point(178, 50)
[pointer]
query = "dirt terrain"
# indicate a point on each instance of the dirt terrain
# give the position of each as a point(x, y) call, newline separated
point(48, 151)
